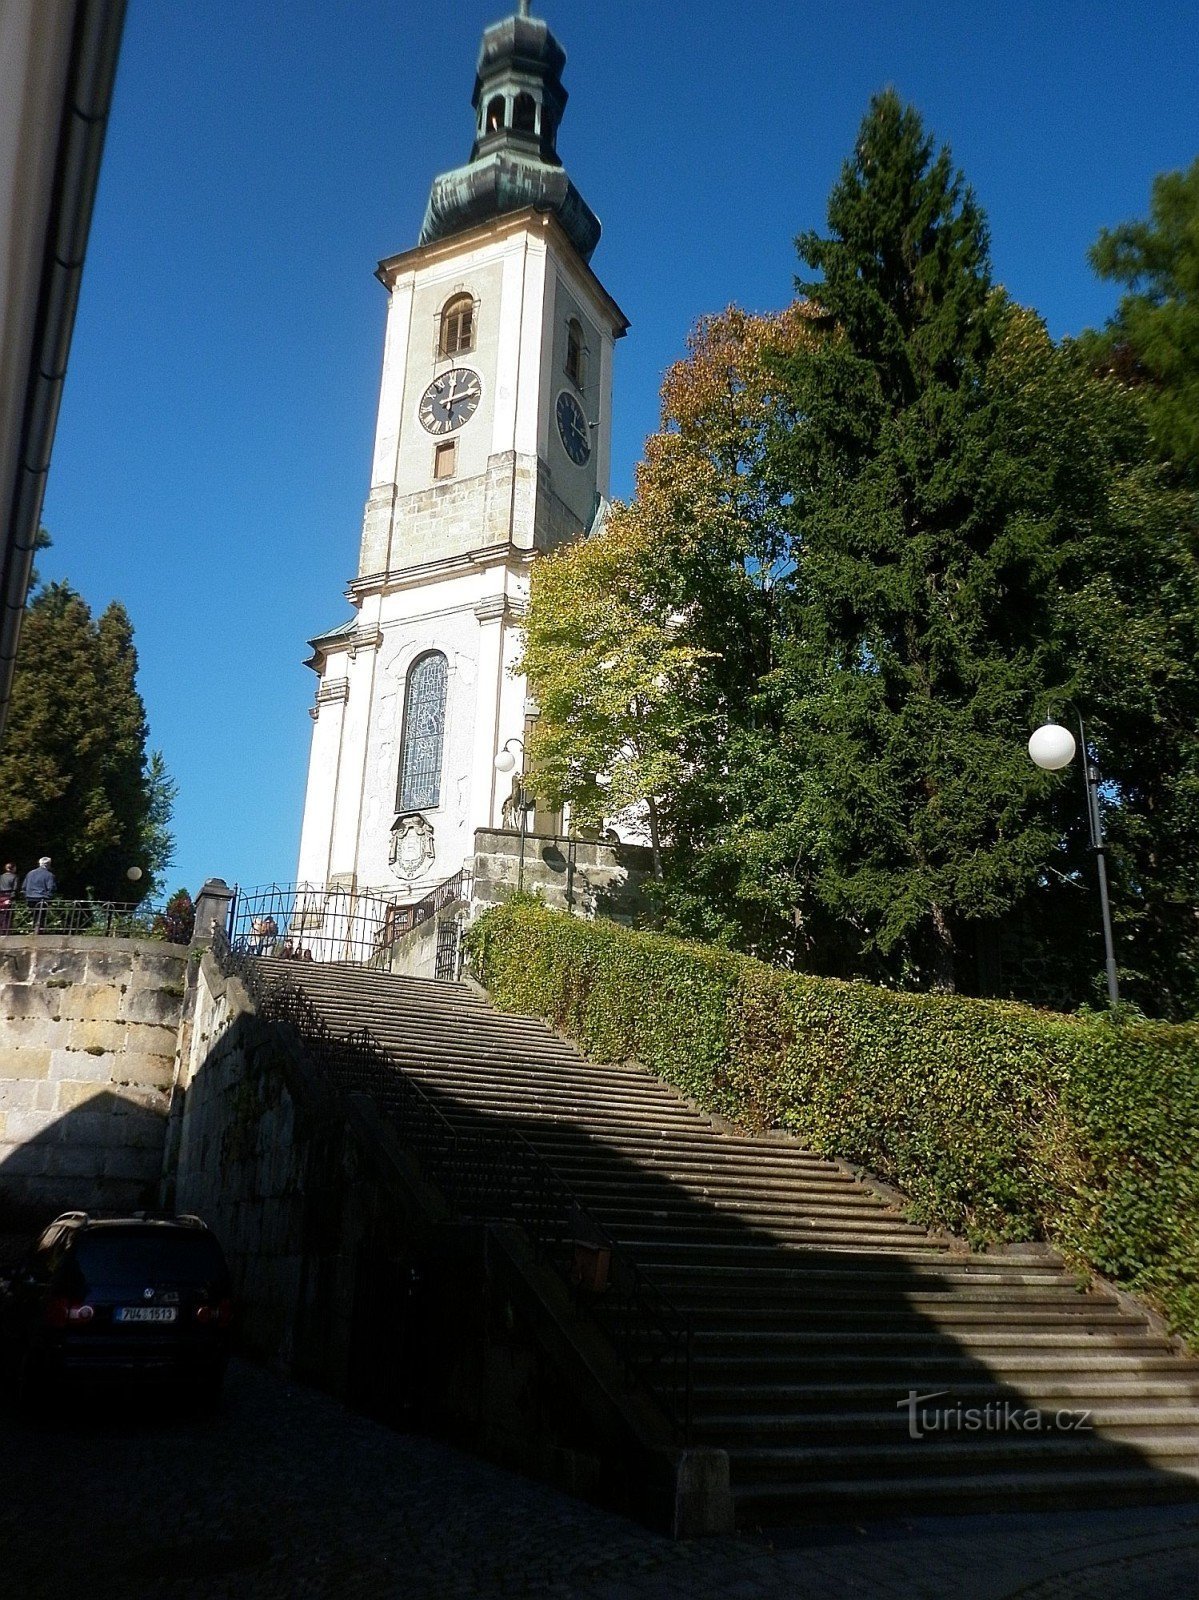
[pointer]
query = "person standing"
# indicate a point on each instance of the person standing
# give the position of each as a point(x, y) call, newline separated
point(39, 889)
point(8, 893)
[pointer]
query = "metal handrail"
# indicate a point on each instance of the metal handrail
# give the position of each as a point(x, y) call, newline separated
point(98, 919)
point(494, 1174)
point(330, 922)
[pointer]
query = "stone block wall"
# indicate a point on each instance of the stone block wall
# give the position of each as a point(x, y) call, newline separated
point(88, 1034)
point(264, 1153)
point(584, 876)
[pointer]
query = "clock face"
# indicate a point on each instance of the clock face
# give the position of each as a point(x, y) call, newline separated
point(450, 400)
point(572, 425)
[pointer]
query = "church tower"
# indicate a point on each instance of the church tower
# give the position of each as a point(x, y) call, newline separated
point(491, 446)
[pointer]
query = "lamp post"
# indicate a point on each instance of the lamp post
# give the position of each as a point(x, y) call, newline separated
point(1052, 747)
point(505, 762)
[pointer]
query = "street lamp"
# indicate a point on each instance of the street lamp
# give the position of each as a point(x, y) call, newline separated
point(505, 762)
point(1052, 747)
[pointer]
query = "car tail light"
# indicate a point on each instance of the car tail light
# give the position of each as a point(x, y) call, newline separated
point(221, 1314)
point(60, 1311)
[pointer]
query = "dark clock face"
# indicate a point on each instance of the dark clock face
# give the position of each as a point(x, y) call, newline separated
point(572, 425)
point(450, 400)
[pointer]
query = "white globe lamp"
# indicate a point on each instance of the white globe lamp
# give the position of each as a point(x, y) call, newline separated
point(1052, 747)
point(134, 874)
point(505, 761)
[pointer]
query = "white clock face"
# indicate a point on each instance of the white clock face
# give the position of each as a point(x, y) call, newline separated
point(451, 400)
point(572, 425)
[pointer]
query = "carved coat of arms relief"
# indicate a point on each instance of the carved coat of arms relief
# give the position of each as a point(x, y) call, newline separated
point(412, 848)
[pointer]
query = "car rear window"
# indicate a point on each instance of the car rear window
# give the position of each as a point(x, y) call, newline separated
point(148, 1255)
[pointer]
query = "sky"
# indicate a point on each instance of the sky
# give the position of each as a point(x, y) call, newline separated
point(213, 450)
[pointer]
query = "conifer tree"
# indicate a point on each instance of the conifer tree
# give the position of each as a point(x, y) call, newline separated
point(1152, 342)
point(74, 779)
point(930, 525)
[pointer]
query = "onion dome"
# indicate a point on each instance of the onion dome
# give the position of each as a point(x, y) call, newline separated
point(518, 102)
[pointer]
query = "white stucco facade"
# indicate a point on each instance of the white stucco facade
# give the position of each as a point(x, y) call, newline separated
point(444, 561)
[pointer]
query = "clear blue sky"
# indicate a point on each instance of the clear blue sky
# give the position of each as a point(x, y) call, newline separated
point(213, 450)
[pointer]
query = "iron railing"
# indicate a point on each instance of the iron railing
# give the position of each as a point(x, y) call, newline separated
point(329, 922)
point(488, 1172)
point(455, 888)
point(100, 919)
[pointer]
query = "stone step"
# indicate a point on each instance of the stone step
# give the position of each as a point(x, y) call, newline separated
point(766, 1332)
point(1009, 1366)
point(661, 1205)
point(729, 1152)
point(750, 1403)
point(870, 1232)
point(615, 1121)
point(863, 1498)
point(578, 1105)
point(732, 1225)
point(950, 1317)
point(894, 1280)
point(915, 1342)
point(1029, 1453)
point(1168, 1419)
point(599, 1166)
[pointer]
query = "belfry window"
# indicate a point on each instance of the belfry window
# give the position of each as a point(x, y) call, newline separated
point(457, 326)
point(495, 115)
point(424, 734)
point(524, 114)
point(576, 354)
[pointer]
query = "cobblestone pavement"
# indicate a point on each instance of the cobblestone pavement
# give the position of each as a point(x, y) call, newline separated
point(287, 1496)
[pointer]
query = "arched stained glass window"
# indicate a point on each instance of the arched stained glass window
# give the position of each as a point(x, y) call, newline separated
point(424, 734)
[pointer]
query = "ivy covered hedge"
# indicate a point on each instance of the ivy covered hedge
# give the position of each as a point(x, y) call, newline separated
point(997, 1121)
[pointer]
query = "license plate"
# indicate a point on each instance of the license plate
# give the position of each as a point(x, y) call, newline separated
point(144, 1314)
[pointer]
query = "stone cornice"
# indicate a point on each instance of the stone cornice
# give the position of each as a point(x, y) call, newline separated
point(494, 555)
point(348, 644)
point(368, 639)
point(330, 694)
point(530, 220)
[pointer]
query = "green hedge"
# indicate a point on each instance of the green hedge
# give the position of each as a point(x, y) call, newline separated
point(997, 1121)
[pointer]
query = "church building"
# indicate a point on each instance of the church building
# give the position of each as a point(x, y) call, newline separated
point(491, 447)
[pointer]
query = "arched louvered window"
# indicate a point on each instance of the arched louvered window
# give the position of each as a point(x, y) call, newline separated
point(457, 332)
point(576, 355)
point(424, 734)
point(524, 114)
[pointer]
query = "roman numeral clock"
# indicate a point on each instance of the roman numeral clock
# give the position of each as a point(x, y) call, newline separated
point(451, 400)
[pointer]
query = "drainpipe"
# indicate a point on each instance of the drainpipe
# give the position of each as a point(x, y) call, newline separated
point(87, 97)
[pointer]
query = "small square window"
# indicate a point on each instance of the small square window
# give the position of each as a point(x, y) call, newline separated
point(445, 459)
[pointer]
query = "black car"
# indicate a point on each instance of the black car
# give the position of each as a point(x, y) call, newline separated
point(140, 1297)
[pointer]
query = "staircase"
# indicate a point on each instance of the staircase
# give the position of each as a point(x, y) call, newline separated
point(817, 1310)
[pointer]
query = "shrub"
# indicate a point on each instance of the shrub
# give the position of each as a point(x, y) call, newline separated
point(997, 1121)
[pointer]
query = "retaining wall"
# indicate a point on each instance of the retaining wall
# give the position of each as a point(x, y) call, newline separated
point(88, 1035)
point(585, 876)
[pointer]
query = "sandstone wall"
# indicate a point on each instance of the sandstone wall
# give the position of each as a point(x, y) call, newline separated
point(88, 1034)
point(584, 876)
